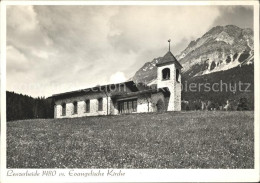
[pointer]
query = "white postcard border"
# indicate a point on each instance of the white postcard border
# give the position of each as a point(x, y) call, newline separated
point(134, 175)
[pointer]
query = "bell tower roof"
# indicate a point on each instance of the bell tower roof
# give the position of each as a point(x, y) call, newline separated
point(169, 58)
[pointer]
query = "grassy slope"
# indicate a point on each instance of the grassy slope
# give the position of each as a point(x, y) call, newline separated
point(167, 140)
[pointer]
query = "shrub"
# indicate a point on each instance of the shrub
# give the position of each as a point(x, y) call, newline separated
point(185, 105)
point(160, 106)
point(242, 104)
point(197, 105)
point(230, 105)
point(210, 106)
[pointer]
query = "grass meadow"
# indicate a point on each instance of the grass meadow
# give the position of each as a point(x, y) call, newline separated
point(196, 139)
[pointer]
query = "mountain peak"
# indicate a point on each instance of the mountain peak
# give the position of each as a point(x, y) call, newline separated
point(219, 49)
point(216, 48)
point(229, 34)
point(218, 29)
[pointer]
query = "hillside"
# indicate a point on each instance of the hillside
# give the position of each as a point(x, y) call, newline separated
point(231, 78)
point(152, 140)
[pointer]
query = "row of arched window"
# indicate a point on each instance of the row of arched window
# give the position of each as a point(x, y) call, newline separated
point(166, 74)
point(86, 108)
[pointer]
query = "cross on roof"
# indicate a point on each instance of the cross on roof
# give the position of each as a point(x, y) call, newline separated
point(169, 44)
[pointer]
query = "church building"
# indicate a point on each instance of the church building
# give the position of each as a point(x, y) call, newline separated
point(127, 97)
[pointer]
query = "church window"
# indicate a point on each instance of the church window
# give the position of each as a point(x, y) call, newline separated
point(121, 107)
point(127, 106)
point(177, 75)
point(87, 109)
point(100, 104)
point(134, 105)
point(75, 107)
point(63, 109)
point(130, 107)
point(166, 74)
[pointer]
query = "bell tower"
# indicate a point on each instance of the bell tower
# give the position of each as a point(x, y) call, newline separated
point(169, 75)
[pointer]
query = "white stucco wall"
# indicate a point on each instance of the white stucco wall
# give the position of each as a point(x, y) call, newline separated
point(177, 98)
point(172, 84)
point(142, 105)
point(143, 102)
point(93, 98)
point(173, 103)
point(155, 98)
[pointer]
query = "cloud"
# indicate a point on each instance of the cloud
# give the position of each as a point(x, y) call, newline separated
point(118, 77)
point(26, 34)
point(145, 30)
point(16, 61)
point(241, 16)
point(26, 21)
point(149, 27)
point(74, 47)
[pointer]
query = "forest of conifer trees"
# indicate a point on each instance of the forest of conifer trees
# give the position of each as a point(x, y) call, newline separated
point(20, 107)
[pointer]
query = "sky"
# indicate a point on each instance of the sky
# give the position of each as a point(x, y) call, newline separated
point(55, 49)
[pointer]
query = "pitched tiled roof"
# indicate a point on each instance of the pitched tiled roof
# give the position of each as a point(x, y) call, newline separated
point(130, 84)
point(169, 58)
point(164, 90)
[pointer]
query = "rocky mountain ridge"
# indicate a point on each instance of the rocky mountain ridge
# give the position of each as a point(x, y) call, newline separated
point(221, 48)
